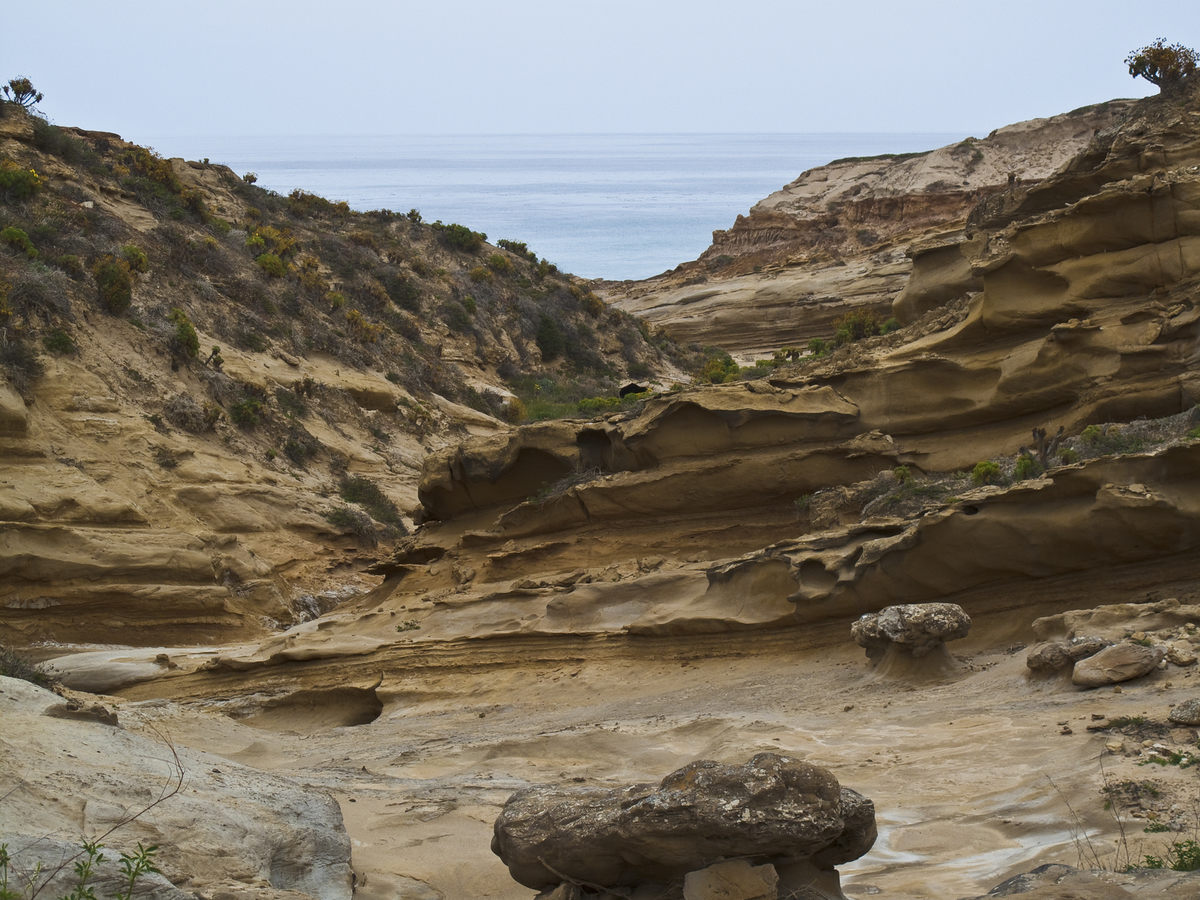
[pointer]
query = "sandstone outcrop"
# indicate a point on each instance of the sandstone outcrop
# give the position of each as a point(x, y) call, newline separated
point(230, 829)
point(915, 629)
point(835, 239)
point(772, 810)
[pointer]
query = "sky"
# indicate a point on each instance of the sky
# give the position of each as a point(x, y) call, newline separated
point(154, 68)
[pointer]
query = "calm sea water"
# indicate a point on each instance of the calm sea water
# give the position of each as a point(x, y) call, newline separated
point(611, 205)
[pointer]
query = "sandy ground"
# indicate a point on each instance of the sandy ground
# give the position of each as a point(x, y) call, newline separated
point(969, 765)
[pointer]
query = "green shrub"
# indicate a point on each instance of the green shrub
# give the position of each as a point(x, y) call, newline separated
point(854, 326)
point(1182, 856)
point(271, 264)
point(986, 472)
point(550, 338)
point(72, 265)
point(114, 284)
point(818, 347)
point(459, 237)
point(499, 263)
point(17, 239)
point(363, 491)
point(456, 316)
point(58, 342)
point(20, 90)
point(480, 273)
point(16, 182)
point(1026, 467)
point(246, 413)
point(185, 341)
point(135, 259)
point(718, 368)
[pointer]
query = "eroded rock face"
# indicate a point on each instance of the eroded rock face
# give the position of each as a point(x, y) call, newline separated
point(917, 629)
point(772, 809)
point(231, 828)
point(1120, 662)
point(1054, 656)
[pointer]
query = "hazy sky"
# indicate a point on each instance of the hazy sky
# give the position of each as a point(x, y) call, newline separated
point(152, 68)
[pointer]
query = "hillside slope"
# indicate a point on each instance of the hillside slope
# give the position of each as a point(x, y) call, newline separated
point(213, 398)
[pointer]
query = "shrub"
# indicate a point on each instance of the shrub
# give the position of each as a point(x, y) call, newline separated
point(1163, 64)
point(718, 368)
point(363, 491)
point(456, 316)
point(480, 273)
point(459, 237)
point(246, 413)
point(1027, 467)
point(20, 363)
point(17, 183)
point(818, 347)
point(15, 665)
point(17, 239)
point(500, 263)
point(854, 326)
point(185, 341)
point(20, 90)
point(550, 338)
point(72, 265)
point(38, 289)
point(114, 284)
point(271, 264)
point(58, 342)
point(135, 259)
point(363, 330)
point(986, 472)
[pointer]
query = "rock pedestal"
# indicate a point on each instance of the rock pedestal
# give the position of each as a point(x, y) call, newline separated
point(772, 810)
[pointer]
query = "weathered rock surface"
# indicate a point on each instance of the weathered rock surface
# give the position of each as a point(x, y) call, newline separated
point(1054, 656)
point(834, 239)
point(1057, 882)
point(1120, 662)
point(230, 828)
point(915, 628)
point(1186, 713)
point(772, 809)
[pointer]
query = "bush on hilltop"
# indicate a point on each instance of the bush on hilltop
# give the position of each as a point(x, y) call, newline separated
point(1163, 64)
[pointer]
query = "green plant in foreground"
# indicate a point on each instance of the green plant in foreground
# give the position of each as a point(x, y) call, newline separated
point(58, 342)
point(114, 284)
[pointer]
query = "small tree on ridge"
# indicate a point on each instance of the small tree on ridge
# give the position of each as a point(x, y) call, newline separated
point(1163, 64)
point(20, 90)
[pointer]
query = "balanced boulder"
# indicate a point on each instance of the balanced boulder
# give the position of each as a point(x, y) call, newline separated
point(916, 629)
point(772, 810)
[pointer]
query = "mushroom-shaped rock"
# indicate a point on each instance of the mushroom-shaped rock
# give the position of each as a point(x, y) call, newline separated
point(1120, 662)
point(773, 809)
point(915, 628)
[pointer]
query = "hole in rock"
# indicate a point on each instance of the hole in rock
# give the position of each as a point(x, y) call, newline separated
point(309, 711)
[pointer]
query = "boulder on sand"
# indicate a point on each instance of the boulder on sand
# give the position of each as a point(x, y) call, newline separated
point(773, 809)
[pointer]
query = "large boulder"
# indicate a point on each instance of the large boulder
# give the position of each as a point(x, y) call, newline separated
point(916, 629)
point(773, 809)
point(1123, 661)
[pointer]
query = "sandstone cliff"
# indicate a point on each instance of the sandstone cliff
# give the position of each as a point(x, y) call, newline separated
point(835, 238)
point(608, 599)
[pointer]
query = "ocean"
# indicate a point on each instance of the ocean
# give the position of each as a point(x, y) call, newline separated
point(601, 206)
